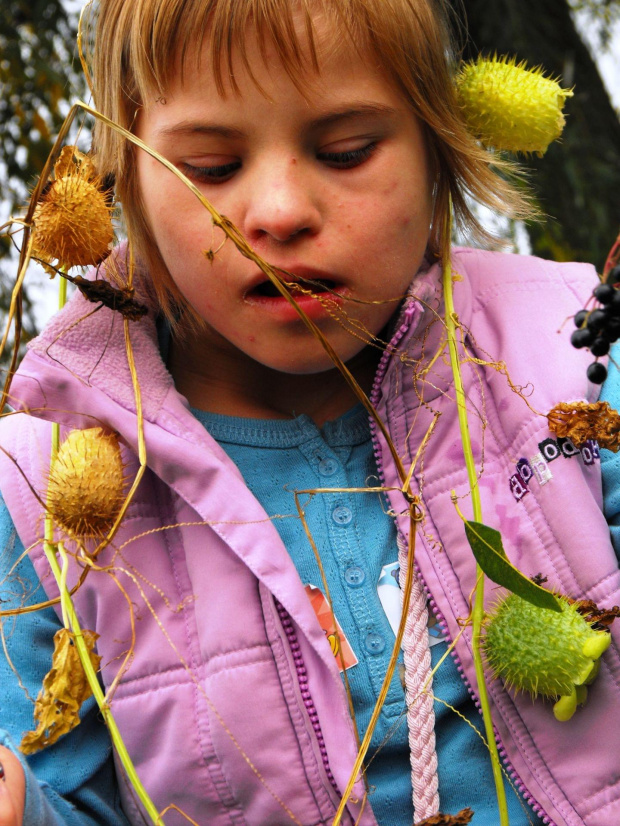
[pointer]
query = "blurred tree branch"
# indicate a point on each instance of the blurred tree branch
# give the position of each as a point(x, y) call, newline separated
point(578, 181)
point(38, 76)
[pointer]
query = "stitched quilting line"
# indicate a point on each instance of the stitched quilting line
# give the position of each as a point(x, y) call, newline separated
point(604, 790)
point(615, 593)
point(484, 296)
point(511, 715)
point(202, 670)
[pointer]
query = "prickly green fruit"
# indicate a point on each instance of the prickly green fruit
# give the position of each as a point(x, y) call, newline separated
point(546, 653)
point(509, 107)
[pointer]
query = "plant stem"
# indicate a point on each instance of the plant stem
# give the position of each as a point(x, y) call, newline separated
point(91, 675)
point(386, 680)
point(71, 622)
point(478, 606)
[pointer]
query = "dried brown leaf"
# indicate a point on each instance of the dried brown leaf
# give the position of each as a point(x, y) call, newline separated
point(65, 688)
point(100, 291)
point(599, 618)
point(71, 162)
point(580, 421)
point(460, 819)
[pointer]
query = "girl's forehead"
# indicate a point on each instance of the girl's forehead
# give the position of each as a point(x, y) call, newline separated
point(341, 80)
point(337, 78)
point(313, 42)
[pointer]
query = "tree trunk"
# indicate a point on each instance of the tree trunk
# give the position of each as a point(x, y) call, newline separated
point(577, 182)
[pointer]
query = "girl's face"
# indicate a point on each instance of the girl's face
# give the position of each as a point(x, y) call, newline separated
point(332, 185)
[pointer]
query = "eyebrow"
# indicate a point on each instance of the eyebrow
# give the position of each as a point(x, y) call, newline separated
point(355, 112)
point(189, 128)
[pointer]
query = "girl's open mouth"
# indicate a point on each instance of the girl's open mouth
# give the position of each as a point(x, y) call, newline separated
point(315, 296)
point(266, 289)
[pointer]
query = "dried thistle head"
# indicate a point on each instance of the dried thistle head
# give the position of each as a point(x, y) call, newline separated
point(580, 421)
point(509, 107)
point(73, 219)
point(86, 482)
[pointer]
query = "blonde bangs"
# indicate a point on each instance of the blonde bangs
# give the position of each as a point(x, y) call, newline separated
point(138, 46)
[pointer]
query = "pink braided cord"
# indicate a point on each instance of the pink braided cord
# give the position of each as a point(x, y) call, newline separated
point(419, 694)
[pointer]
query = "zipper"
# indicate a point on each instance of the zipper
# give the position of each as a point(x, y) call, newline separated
point(403, 328)
point(302, 677)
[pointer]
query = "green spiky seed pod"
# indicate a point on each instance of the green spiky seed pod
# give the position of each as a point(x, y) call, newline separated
point(546, 653)
point(509, 107)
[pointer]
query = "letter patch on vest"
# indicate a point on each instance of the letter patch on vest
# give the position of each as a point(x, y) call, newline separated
point(536, 468)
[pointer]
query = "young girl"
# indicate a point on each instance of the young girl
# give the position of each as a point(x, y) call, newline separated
point(327, 132)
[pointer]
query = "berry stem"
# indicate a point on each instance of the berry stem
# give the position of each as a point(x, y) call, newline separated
point(478, 605)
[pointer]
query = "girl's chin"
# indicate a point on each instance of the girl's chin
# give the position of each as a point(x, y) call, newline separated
point(313, 361)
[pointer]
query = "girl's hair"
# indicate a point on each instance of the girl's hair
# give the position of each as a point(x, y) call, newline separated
point(139, 45)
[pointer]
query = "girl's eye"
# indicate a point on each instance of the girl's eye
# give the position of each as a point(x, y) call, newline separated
point(210, 174)
point(349, 158)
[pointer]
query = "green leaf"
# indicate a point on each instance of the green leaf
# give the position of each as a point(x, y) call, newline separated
point(486, 544)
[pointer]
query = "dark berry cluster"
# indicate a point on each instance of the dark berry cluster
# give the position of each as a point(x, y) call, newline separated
point(597, 329)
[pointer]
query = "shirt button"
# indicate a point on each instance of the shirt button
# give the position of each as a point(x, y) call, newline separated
point(354, 576)
point(374, 643)
point(342, 515)
point(327, 467)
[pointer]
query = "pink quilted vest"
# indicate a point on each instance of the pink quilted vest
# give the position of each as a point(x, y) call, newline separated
point(230, 702)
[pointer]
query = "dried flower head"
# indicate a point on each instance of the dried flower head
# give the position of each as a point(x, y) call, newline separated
point(546, 653)
point(509, 107)
point(65, 688)
point(73, 219)
point(85, 489)
point(580, 421)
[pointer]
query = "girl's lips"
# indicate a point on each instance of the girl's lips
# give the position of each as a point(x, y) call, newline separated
point(314, 294)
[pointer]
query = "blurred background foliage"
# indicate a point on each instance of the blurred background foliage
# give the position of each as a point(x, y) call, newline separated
point(577, 183)
point(39, 77)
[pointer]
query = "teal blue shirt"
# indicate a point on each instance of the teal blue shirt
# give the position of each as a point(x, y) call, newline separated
point(610, 462)
point(73, 782)
point(356, 540)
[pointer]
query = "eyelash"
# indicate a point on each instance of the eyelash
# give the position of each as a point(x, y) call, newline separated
point(210, 174)
point(348, 159)
point(220, 174)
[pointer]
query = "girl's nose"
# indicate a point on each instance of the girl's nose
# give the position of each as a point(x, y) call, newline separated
point(282, 204)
